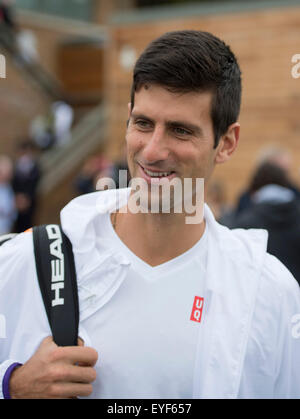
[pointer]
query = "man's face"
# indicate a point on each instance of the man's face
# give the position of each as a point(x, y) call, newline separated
point(170, 135)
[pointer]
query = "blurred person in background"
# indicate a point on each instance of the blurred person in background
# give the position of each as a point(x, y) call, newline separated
point(54, 127)
point(93, 169)
point(278, 156)
point(7, 199)
point(63, 117)
point(6, 15)
point(276, 208)
point(99, 167)
point(42, 131)
point(21, 43)
point(8, 27)
point(25, 181)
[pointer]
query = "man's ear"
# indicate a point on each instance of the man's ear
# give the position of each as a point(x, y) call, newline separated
point(228, 143)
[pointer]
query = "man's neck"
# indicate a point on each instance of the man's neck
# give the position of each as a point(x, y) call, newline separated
point(156, 238)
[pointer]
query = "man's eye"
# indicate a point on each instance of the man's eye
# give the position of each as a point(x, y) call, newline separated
point(142, 123)
point(181, 131)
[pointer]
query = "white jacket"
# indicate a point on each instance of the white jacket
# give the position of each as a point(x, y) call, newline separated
point(249, 341)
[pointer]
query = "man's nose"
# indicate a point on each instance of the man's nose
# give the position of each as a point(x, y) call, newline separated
point(156, 148)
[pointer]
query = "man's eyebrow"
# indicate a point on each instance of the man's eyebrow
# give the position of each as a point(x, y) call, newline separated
point(140, 115)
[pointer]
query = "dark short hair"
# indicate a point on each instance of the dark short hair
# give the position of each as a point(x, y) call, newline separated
point(189, 61)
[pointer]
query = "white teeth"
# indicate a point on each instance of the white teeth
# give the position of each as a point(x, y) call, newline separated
point(157, 174)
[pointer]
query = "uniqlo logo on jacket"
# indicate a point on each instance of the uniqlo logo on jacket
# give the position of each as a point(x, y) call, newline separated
point(197, 309)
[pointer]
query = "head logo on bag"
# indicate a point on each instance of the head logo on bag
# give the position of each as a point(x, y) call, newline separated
point(57, 264)
point(57, 278)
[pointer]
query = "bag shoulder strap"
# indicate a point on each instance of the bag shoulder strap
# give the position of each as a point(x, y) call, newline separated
point(57, 279)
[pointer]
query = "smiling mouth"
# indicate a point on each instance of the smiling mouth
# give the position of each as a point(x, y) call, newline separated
point(156, 174)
